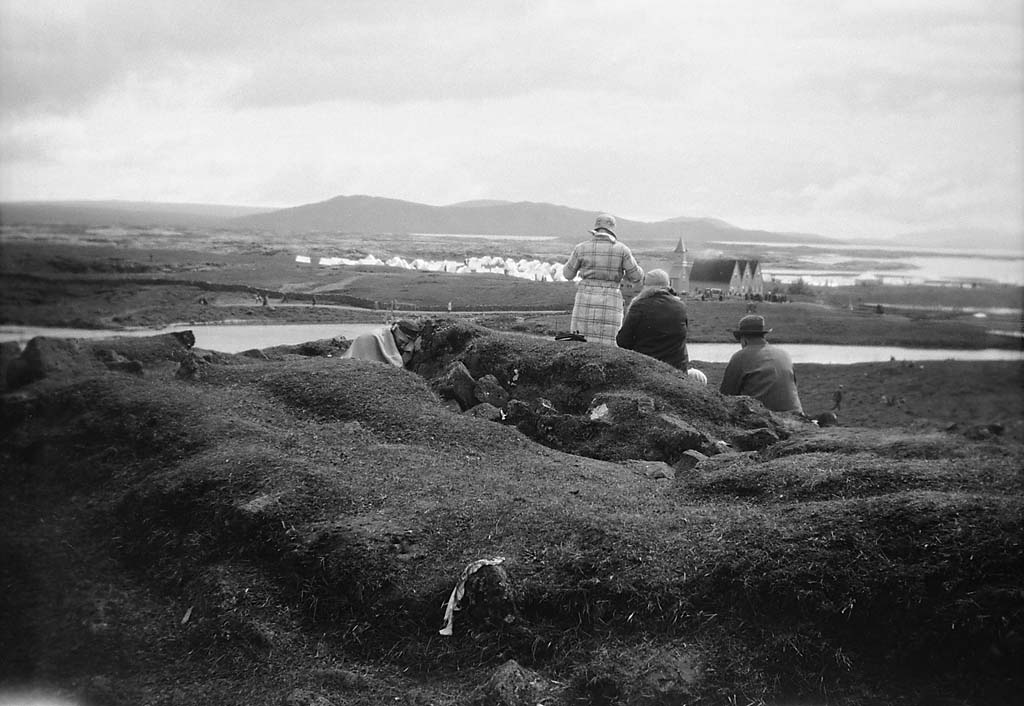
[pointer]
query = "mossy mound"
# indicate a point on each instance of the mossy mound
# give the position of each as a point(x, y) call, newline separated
point(597, 401)
point(276, 520)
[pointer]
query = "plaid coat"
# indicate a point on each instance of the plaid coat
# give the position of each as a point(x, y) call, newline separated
point(602, 263)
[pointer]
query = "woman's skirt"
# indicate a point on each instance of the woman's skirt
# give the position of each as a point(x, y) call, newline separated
point(597, 312)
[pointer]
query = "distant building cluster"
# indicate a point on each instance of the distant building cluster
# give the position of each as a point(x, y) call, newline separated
point(535, 270)
point(720, 276)
point(732, 277)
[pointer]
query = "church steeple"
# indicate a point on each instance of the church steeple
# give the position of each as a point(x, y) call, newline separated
point(679, 275)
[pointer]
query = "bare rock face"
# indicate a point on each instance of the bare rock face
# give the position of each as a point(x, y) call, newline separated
point(510, 685)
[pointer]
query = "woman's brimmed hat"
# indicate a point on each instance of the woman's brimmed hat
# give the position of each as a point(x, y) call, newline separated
point(604, 222)
point(751, 325)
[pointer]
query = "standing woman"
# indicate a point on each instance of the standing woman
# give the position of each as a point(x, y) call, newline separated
point(602, 264)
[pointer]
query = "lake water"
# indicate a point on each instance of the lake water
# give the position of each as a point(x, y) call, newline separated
point(235, 338)
point(830, 265)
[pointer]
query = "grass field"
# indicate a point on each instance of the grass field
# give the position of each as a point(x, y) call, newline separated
point(64, 285)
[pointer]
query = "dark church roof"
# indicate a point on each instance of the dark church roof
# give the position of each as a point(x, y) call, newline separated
point(680, 247)
point(718, 270)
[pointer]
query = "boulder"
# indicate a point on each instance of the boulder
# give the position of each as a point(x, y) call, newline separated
point(620, 407)
point(510, 685)
point(980, 432)
point(689, 460)
point(458, 384)
point(255, 353)
point(694, 439)
point(489, 390)
point(191, 367)
point(46, 357)
point(485, 410)
point(488, 602)
point(655, 470)
point(452, 405)
point(754, 439)
point(669, 677)
point(716, 447)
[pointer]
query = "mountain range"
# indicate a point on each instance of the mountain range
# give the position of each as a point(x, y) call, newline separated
point(373, 215)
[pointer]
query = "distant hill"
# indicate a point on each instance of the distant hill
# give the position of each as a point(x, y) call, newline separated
point(479, 202)
point(370, 214)
point(120, 213)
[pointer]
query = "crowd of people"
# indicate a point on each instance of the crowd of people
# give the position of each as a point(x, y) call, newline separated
point(655, 324)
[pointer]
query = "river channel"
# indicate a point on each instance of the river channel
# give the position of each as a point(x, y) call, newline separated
point(235, 338)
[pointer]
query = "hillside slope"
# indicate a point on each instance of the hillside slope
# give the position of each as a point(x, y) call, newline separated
point(287, 527)
point(120, 213)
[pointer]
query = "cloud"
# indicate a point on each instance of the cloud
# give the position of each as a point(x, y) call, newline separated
point(831, 117)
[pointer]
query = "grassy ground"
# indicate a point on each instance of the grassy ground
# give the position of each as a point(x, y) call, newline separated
point(288, 528)
point(280, 525)
point(98, 287)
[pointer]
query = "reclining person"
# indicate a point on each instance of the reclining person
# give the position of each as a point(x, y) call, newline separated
point(394, 344)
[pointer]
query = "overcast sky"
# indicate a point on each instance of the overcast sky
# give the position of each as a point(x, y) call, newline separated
point(846, 118)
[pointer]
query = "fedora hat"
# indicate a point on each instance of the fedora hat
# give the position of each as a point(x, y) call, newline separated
point(751, 325)
point(604, 222)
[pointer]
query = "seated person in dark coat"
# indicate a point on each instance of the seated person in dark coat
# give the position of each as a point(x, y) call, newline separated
point(656, 323)
point(760, 370)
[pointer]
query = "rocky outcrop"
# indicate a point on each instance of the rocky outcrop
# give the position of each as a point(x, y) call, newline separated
point(46, 357)
point(595, 401)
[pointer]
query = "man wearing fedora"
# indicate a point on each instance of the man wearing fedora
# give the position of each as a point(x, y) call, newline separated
point(760, 370)
point(602, 263)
